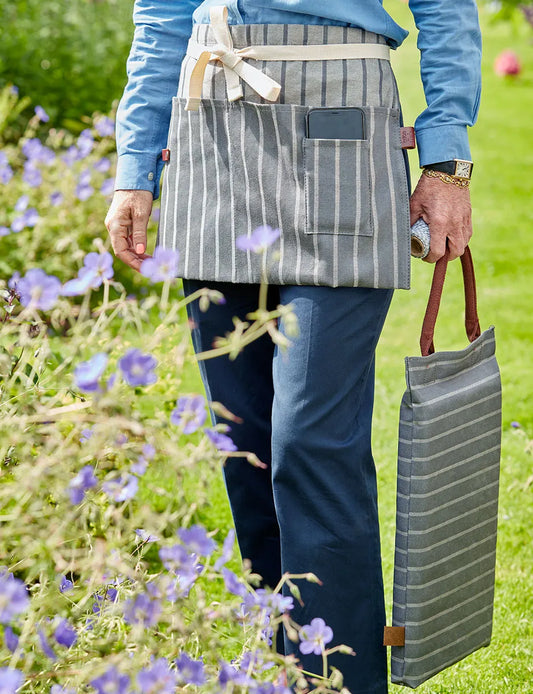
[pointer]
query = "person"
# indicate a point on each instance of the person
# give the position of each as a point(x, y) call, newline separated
point(306, 414)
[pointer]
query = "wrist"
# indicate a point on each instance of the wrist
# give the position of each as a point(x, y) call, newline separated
point(456, 168)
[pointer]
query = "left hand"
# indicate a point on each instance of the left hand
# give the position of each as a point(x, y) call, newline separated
point(447, 211)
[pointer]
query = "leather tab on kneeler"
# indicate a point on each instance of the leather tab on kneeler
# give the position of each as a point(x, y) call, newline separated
point(394, 636)
point(407, 137)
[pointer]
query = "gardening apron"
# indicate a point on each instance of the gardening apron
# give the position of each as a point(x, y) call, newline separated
point(238, 158)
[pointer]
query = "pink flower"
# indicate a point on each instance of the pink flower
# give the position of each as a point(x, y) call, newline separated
point(507, 63)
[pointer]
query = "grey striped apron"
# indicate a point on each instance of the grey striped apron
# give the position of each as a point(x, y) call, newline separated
point(342, 206)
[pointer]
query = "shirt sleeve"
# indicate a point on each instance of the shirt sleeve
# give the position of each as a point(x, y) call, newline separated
point(162, 30)
point(449, 40)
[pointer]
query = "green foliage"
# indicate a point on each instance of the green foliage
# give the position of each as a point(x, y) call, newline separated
point(67, 55)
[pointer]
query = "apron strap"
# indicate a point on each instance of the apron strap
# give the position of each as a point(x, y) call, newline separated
point(235, 68)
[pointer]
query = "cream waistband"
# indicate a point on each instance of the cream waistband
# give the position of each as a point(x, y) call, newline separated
point(235, 68)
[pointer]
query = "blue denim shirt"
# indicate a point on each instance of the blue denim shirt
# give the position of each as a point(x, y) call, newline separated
point(449, 40)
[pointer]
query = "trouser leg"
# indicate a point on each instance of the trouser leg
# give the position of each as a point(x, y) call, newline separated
point(324, 476)
point(244, 386)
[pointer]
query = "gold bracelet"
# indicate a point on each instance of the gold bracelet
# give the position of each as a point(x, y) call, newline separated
point(446, 178)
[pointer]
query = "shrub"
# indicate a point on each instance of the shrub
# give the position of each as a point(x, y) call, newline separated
point(69, 55)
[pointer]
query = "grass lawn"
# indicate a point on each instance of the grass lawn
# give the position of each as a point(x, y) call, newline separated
point(502, 191)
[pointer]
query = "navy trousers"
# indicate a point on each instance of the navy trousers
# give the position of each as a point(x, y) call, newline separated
point(307, 414)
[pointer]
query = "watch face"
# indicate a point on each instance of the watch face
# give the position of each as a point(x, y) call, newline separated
point(463, 169)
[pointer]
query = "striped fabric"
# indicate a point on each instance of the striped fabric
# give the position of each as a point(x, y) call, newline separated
point(447, 503)
point(342, 206)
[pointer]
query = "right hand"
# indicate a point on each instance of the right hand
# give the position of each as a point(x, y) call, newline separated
point(126, 222)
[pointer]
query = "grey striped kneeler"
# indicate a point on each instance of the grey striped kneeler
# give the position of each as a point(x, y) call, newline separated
point(342, 205)
point(447, 500)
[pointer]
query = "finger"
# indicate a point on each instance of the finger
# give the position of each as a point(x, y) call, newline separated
point(119, 235)
point(437, 242)
point(132, 259)
point(416, 211)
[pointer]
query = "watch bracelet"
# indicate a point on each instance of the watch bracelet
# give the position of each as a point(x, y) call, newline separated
point(447, 178)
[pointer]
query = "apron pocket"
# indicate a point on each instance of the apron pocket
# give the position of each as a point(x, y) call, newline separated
point(337, 187)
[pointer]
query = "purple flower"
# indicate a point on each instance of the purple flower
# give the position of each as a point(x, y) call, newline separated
point(142, 610)
point(11, 639)
point(47, 650)
point(139, 468)
point(163, 265)
point(111, 682)
point(314, 636)
point(10, 680)
point(31, 148)
point(138, 368)
point(6, 174)
point(101, 264)
point(232, 583)
point(14, 89)
point(85, 143)
point(221, 441)
point(157, 678)
point(156, 214)
point(516, 425)
point(56, 198)
point(196, 540)
point(80, 284)
point(122, 488)
point(190, 671)
point(13, 596)
point(190, 413)
point(65, 585)
point(87, 373)
point(18, 224)
point(13, 281)
point(84, 480)
point(178, 560)
point(227, 550)
point(86, 435)
point(38, 290)
point(102, 165)
point(64, 634)
point(145, 536)
point(84, 192)
point(148, 451)
point(32, 176)
point(261, 238)
point(22, 203)
point(41, 114)
point(28, 219)
point(228, 673)
point(71, 155)
point(105, 127)
point(108, 187)
point(5, 231)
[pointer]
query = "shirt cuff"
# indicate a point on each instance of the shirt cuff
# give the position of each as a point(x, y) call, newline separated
point(139, 172)
point(442, 143)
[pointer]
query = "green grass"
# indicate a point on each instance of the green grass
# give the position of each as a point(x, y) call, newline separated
point(502, 192)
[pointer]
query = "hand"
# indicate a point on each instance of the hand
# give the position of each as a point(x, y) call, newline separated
point(447, 211)
point(126, 222)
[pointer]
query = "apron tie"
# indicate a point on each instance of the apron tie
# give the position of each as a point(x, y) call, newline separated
point(232, 62)
point(235, 68)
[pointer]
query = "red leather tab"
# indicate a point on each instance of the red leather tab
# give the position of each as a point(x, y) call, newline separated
point(165, 154)
point(394, 636)
point(407, 137)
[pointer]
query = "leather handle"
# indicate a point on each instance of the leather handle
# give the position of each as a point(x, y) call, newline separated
point(472, 326)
